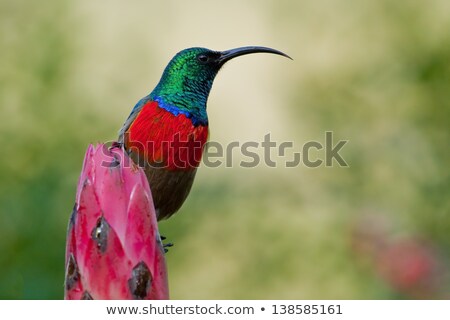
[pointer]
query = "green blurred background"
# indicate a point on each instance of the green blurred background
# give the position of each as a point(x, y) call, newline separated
point(376, 73)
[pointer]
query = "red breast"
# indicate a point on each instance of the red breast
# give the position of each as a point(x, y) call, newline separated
point(166, 140)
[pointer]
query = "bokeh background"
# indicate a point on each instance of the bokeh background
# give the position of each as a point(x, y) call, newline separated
point(376, 73)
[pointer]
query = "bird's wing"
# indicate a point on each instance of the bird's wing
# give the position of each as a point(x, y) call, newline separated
point(137, 108)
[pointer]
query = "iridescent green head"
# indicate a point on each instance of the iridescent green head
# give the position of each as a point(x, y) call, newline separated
point(188, 78)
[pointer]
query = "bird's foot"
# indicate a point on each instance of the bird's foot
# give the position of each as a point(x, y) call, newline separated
point(115, 144)
point(165, 246)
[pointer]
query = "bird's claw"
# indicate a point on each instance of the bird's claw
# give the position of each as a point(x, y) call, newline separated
point(167, 245)
point(115, 144)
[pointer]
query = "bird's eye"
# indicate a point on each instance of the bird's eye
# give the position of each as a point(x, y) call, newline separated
point(202, 58)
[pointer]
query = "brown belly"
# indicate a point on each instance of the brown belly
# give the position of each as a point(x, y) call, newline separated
point(169, 188)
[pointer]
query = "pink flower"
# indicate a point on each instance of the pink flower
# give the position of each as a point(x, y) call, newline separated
point(113, 247)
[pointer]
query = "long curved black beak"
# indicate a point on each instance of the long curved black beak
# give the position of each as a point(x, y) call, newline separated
point(233, 53)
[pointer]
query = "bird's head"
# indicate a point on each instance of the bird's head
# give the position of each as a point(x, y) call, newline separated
point(188, 78)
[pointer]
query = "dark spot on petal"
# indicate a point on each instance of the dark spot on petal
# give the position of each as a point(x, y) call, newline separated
point(140, 281)
point(73, 215)
point(100, 234)
point(72, 220)
point(72, 274)
point(86, 296)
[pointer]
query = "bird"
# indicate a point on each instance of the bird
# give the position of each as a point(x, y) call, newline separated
point(166, 131)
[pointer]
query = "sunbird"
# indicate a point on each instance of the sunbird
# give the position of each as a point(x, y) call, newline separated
point(167, 130)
